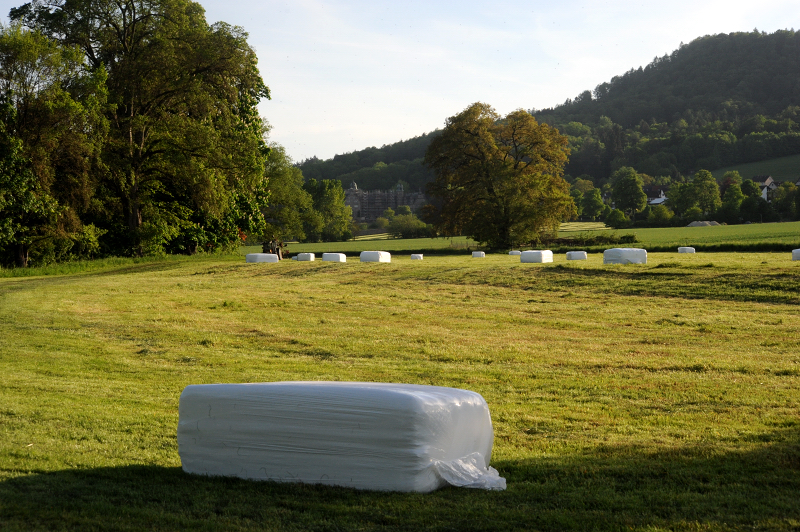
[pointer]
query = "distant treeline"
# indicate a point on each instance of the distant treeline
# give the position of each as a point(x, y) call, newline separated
point(377, 168)
point(719, 100)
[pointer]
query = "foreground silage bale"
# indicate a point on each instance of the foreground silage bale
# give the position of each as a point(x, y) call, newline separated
point(625, 256)
point(515, 252)
point(334, 257)
point(478, 254)
point(577, 255)
point(375, 256)
point(796, 254)
point(306, 257)
point(416, 256)
point(537, 255)
point(261, 257)
point(685, 249)
point(377, 436)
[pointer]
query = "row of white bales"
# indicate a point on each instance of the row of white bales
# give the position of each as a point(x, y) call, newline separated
point(610, 256)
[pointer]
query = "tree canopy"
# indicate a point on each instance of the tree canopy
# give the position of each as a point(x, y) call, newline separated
point(498, 179)
point(182, 160)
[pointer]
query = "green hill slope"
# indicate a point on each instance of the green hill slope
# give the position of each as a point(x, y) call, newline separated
point(781, 169)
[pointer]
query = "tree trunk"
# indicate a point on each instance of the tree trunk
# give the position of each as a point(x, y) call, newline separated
point(22, 255)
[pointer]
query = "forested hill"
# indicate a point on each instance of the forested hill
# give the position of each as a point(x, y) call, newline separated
point(718, 101)
point(377, 168)
point(719, 76)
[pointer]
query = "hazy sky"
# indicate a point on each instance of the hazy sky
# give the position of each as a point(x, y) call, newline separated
point(345, 75)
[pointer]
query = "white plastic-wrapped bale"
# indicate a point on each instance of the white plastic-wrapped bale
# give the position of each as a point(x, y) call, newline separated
point(515, 252)
point(379, 436)
point(334, 257)
point(478, 254)
point(261, 257)
point(416, 256)
point(536, 255)
point(375, 256)
point(625, 256)
point(306, 256)
point(685, 249)
point(796, 254)
point(577, 255)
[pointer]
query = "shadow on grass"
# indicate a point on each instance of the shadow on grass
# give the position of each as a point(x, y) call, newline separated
point(607, 488)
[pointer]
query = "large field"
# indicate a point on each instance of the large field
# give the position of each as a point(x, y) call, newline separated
point(648, 397)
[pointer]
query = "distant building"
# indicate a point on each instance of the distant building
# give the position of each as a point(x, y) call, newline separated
point(766, 184)
point(656, 194)
point(368, 205)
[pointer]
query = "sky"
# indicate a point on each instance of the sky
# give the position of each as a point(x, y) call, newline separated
point(349, 74)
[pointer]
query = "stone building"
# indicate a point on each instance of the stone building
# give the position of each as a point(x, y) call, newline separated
point(367, 205)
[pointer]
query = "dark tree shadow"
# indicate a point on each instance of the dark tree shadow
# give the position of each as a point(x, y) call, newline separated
point(607, 488)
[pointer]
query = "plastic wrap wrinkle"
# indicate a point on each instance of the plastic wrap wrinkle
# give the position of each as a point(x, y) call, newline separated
point(470, 472)
point(364, 435)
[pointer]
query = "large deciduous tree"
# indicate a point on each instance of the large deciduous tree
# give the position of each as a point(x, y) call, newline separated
point(185, 145)
point(627, 191)
point(706, 192)
point(498, 179)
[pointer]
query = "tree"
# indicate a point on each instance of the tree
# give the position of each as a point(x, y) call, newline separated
point(681, 198)
point(750, 189)
point(627, 192)
point(185, 144)
point(327, 197)
point(27, 213)
point(593, 204)
point(498, 179)
point(51, 132)
point(617, 219)
point(731, 177)
point(706, 192)
point(660, 216)
point(408, 226)
point(290, 207)
point(784, 200)
point(731, 203)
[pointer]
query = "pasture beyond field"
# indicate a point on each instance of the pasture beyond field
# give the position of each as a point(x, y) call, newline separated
point(744, 237)
point(648, 397)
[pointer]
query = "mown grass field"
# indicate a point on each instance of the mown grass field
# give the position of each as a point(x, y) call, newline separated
point(648, 397)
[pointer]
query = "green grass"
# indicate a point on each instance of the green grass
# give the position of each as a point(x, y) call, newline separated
point(750, 237)
point(781, 169)
point(648, 397)
point(457, 244)
point(776, 236)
